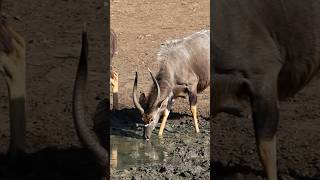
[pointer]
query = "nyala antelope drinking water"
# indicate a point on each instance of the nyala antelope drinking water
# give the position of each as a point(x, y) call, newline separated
point(184, 70)
point(13, 68)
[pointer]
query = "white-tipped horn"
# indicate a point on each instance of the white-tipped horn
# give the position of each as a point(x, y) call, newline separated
point(134, 95)
point(157, 85)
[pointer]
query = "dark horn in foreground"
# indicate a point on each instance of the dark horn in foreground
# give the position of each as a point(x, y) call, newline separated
point(79, 113)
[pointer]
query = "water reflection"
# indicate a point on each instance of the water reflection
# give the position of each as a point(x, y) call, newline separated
point(127, 152)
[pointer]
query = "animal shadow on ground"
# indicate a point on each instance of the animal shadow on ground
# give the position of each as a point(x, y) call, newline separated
point(116, 122)
point(51, 164)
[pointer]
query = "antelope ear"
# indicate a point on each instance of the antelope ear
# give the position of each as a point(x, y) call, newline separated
point(143, 100)
point(164, 103)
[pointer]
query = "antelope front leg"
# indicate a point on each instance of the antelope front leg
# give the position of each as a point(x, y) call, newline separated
point(195, 118)
point(268, 155)
point(114, 81)
point(265, 116)
point(164, 120)
point(115, 88)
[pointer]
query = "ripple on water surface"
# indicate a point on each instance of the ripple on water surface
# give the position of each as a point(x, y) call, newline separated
point(127, 152)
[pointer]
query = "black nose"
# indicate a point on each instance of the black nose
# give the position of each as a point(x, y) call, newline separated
point(147, 132)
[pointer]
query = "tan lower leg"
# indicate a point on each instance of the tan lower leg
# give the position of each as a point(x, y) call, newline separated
point(114, 88)
point(195, 119)
point(268, 156)
point(164, 120)
point(114, 158)
point(114, 81)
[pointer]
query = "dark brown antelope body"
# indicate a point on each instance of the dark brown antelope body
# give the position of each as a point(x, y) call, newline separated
point(264, 51)
point(12, 67)
point(184, 70)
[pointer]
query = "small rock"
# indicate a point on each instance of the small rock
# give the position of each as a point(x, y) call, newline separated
point(183, 174)
point(191, 154)
point(163, 169)
point(169, 128)
point(186, 141)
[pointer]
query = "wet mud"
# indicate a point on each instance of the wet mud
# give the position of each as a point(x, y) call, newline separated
point(179, 154)
point(235, 156)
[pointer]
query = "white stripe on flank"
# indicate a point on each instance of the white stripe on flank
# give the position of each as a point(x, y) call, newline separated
point(167, 46)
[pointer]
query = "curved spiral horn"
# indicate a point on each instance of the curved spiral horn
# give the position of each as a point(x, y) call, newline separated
point(157, 85)
point(134, 95)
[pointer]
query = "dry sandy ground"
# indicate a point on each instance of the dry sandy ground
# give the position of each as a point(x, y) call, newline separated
point(142, 26)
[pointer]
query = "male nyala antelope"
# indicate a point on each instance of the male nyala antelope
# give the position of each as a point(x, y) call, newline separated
point(184, 70)
point(264, 52)
point(12, 67)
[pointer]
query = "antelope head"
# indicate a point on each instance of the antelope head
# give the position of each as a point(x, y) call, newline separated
point(151, 108)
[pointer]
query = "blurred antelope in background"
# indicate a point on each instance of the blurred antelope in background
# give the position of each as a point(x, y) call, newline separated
point(13, 68)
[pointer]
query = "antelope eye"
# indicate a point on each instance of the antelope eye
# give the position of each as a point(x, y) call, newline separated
point(147, 119)
point(150, 120)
